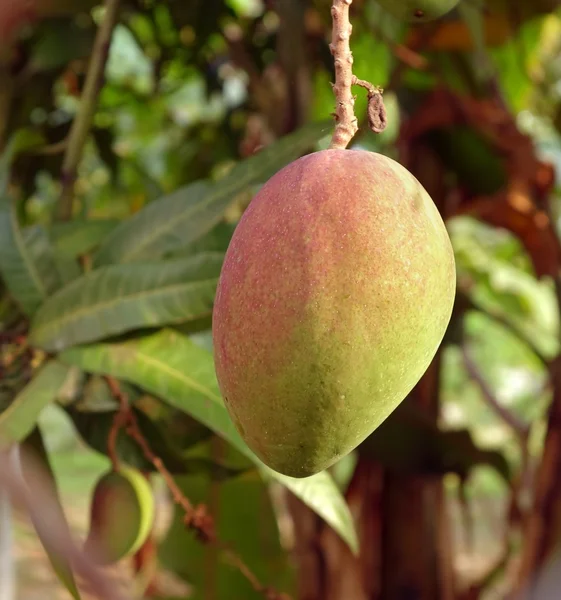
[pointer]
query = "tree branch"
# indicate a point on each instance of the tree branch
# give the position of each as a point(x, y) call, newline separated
point(515, 423)
point(347, 123)
point(196, 518)
point(82, 123)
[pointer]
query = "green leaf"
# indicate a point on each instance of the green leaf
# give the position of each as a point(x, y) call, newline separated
point(68, 268)
point(473, 16)
point(20, 141)
point(79, 237)
point(37, 241)
point(243, 515)
point(94, 428)
point(216, 240)
point(181, 373)
point(118, 298)
point(19, 419)
point(186, 215)
point(17, 266)
point(59, 563)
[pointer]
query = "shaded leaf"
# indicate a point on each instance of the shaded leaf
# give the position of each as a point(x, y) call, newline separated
point(58, 42)
point(19, 419)
point(186, 215)
point(104, 140)
point(94, 429)
point(68, 268)
point(79, 237)
point(119, 298)
point(216, 240)
point(243, 515)
point(172, 367)
point(473, 17)
point(37, 241)
point(21, 140)
point(17, 266)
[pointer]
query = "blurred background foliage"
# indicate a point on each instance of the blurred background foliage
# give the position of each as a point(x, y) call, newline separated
point(195, 90)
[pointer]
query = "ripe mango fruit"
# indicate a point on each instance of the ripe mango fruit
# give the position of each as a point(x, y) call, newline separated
point(418, 11)
point(335, 293)
point(122, 514)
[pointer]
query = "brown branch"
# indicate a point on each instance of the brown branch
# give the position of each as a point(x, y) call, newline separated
point(347, 123)
point(196, 518)
point(504, 322)
point(520, 427)
point(81, 126)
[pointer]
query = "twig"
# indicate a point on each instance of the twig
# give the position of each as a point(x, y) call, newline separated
point(504, 322)
point(196, 517)
point(50, 149)
point(81, 126)
point(347, 123)
point(520, 428)
point(119, 422)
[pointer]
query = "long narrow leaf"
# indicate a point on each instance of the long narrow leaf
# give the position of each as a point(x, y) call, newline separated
point(17, 267)
point(79, 237)
point(184, 216)
point(19, 419)
point(36, 240)
point(181, 373)
point(119, 298)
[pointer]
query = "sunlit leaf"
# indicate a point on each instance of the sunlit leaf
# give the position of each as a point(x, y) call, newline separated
point(172, 367)
point(119, 298)
point(186, 215)
point(19, 419)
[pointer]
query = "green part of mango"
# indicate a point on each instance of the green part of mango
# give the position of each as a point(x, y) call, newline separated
point(121, 516)
point(334, 296)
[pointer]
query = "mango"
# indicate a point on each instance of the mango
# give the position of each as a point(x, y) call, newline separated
point(335, 293)
point(122, 514)
point(418, 11)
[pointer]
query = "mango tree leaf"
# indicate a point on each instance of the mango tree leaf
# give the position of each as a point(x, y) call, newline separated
point(473, 16)
point(17, 266)
point(94, 429)
point(182, 374)
point(59, 563)
point(67, 267)
point(37, 241)
point(19, 419)
point(244, 516)
point(22, 140)
point(118, 298)
point(79, 237)
point(216, 240)
point(186, 215)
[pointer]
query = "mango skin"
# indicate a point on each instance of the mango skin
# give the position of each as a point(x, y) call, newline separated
point(418, 11)
point(335, 293)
